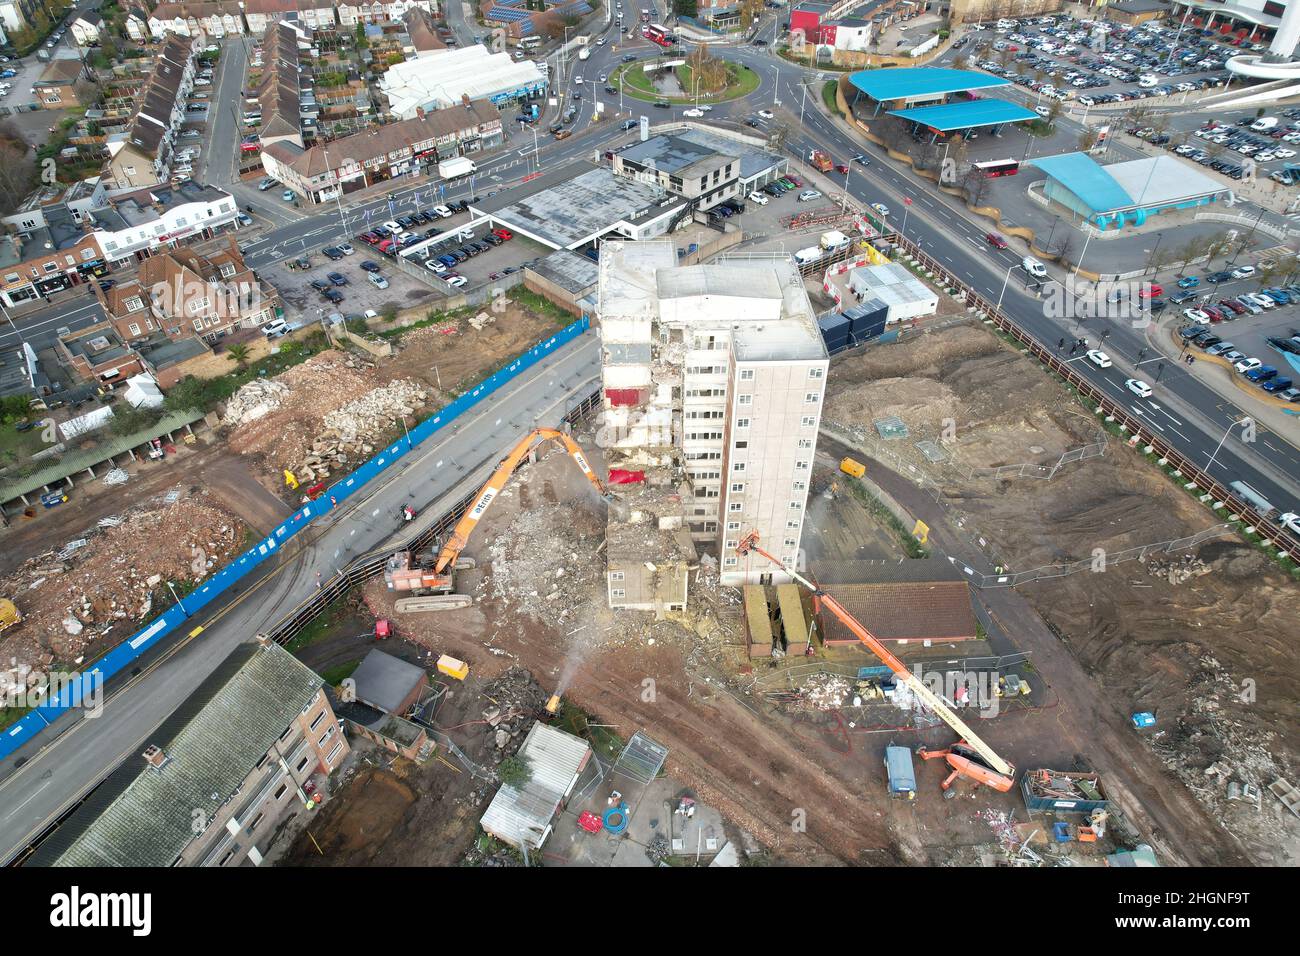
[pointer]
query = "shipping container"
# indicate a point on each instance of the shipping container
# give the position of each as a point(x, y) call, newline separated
point(835, 328)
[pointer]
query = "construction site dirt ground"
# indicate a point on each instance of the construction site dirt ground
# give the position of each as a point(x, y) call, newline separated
point(793, 781)
point(1204, 639)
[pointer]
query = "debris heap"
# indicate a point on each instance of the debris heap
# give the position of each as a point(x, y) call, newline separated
point(83, 596)
point(329, 412)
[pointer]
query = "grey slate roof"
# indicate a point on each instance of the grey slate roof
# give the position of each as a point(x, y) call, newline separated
point(385, 681)
point(141, 816)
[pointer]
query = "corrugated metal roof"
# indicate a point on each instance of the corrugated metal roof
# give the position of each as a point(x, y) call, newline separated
point(905, 82)
point(522, 815)
point(968, 114)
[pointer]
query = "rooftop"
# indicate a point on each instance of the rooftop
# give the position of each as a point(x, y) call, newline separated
point(906, 82)
point(676, 155)
point(967, 114)
point(1153, 181)
point(522, 816)
point(440, 81)
point(385, 681)
point(574, 273)
point(913, 600)
point(144, 816)
point(564, 209)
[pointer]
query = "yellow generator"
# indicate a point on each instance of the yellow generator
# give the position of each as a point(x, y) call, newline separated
point(852, 467)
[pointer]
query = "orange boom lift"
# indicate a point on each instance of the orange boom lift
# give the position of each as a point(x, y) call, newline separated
point(970, 757)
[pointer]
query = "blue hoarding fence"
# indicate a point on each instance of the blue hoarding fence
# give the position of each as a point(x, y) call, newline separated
point(175, 618)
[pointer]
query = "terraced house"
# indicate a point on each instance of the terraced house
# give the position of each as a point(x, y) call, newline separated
point(278, 95)
point(219, 18)
point(140, 156)
point(374, 155)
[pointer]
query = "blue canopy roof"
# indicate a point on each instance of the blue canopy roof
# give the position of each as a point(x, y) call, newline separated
point(1083, 176)
point(906, 82)
point(967, 114)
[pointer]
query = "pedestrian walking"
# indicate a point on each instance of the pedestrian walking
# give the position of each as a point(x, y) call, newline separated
point(334, 502)
point(317, 580)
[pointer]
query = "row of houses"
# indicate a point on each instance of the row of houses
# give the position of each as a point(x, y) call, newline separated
point(384, 152)
point(89, 232)
point(278, 95)
point(140, 156)
point(220, 18)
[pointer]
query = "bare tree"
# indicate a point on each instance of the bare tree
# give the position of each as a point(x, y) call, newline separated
point(975, 185)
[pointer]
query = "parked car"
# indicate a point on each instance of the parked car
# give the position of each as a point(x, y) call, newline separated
point(808, 195)
point(332, 252)
point(370, 266)
point(337, 278)
point(1274, 385)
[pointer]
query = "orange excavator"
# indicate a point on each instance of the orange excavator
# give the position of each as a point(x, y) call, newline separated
point(970, 757)
point(404, 573)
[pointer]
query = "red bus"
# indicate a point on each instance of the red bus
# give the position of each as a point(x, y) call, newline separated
point(998, 167)
point(659, 34)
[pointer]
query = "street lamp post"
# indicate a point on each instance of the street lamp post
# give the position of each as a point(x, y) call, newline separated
point(537, 159)
point(1078, 265)
point(1226, 432)
point(1005, 280)
point(176, 598)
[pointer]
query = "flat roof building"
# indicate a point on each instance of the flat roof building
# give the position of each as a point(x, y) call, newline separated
point(573, 207)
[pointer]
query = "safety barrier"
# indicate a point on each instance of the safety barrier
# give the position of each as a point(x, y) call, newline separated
point(176, 617)
point(1165, 452)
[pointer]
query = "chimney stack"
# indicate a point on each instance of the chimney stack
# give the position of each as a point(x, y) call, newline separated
point(155, 756)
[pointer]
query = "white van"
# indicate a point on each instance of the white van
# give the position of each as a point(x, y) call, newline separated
point(1267, 122)
point(1034, 267)
point(1147, 80)
point(1006, 25)
point(806, 256)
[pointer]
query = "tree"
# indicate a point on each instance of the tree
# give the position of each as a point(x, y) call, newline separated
point(1054, 111)
point(976, 186)
point(1087, 140)
point(515, 771)
point(17, 171)
point(238, 353)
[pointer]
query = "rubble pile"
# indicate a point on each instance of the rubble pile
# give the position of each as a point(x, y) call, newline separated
point(826, 691)
point(544, 565)
point(1178, 570)
point(517, 702)
point(111, 578)
point(1219, 754)
point(325, 413)
point(348, 431)
point(259, 397)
